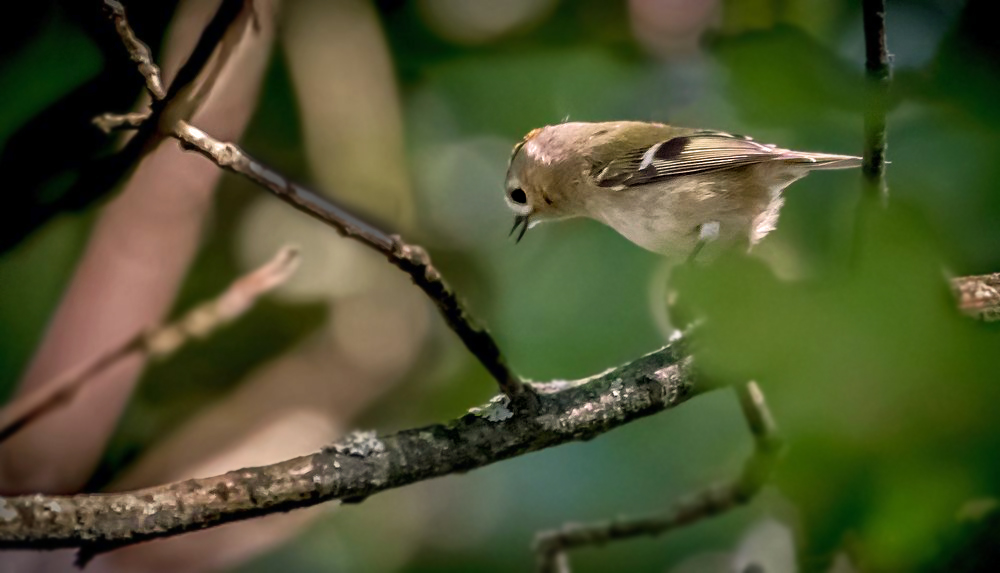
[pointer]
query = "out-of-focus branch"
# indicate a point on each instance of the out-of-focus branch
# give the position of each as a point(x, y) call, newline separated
point(358, 466)
point(979, 295)
point(878, 71)
point(552, 546)
point(158, 342)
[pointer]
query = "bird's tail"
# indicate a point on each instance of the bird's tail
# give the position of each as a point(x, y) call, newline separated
point(822, 160)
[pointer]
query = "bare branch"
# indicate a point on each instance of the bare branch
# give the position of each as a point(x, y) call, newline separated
point(359, 466)
point(208, 43)
point(137, 50)
point(158, 342)
point(878, 71)
point(411, 259)
point(109, 122)
point(551, 546)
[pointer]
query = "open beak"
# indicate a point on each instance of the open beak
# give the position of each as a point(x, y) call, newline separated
point(519, 221)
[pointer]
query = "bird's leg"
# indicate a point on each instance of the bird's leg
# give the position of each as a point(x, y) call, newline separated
point(707, 233)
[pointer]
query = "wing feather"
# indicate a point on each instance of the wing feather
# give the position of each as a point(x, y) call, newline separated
point(699, 152)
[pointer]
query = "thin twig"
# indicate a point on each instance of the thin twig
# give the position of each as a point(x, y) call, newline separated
point(411, 259)
point(109, 122)
point(358, 466)
point(552, 546)
point(24, 410)
point(137, 50)
point(878, 72)
point(768, 444)
point(158, 342)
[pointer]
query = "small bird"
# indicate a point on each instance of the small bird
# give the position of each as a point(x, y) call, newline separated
point(671, 190)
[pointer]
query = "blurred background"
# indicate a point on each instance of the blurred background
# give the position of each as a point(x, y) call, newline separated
point(407, 111)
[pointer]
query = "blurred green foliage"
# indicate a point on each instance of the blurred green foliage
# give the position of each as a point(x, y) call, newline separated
point(885, 393)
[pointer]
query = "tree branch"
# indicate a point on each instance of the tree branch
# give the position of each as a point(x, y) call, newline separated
point(409, 258)
point(102, 174)
point(137, 50)
point(551, 546)
point(364, 463)
point(358, 466)
point(878, 73)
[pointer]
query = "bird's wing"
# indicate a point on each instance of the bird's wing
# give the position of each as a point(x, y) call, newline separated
point(697, 152)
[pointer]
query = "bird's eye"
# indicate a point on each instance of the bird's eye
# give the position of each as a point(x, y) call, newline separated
point(518, 196)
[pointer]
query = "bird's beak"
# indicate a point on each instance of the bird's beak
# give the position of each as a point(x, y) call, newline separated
point(519, 221)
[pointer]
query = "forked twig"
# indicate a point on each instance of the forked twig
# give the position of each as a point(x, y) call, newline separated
point(411, 259)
